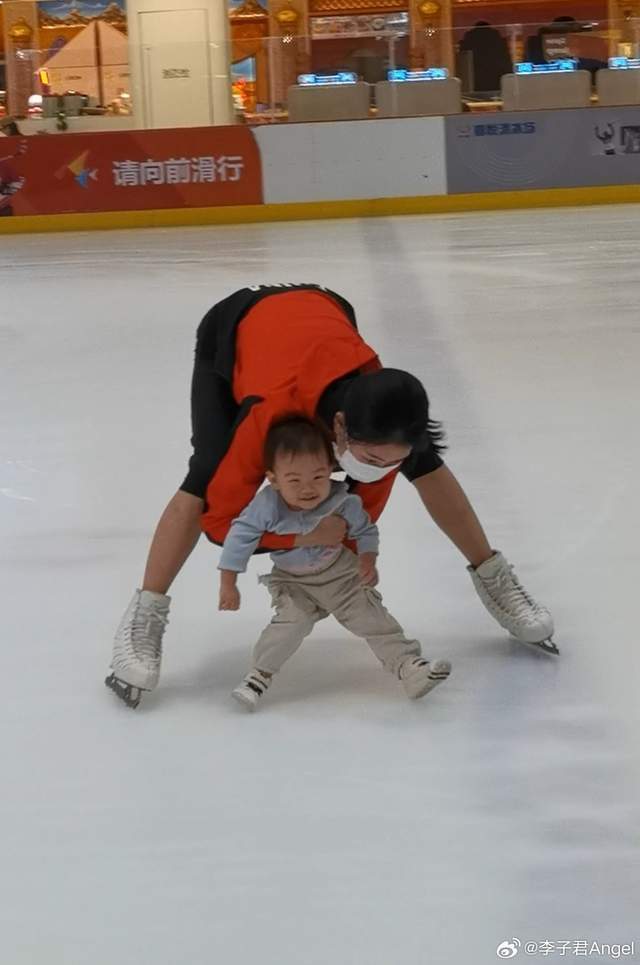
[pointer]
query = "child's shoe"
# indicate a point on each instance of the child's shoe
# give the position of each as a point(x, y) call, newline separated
point(254, 685)
point(419, 676)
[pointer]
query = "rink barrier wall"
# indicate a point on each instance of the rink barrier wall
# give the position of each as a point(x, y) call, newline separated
point(313, 211)
point(369, 168)
point(524, 150)
point(353, 160)
point(129, 170)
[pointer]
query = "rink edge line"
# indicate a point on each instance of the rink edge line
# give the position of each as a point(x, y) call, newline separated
point(316, 210)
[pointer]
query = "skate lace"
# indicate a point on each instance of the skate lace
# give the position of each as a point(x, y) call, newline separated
point(507, 591)
point(147, 628)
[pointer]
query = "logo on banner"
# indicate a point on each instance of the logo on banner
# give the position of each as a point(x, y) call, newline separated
point(80, 170)
point(139, 170)
point(497, 130)
point(613, 139)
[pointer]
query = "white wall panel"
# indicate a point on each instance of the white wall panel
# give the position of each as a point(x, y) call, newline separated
point(346, 160)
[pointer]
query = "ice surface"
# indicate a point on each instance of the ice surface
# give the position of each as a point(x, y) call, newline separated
point(341, 825)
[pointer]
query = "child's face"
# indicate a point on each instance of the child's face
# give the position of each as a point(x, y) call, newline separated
point(303, 481)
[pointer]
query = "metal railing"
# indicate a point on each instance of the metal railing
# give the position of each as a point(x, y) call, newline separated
point(114, 83)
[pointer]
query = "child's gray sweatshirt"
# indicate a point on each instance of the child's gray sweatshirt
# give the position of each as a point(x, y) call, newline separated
point(268, 513)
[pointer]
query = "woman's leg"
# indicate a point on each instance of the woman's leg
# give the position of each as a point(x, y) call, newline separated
point(175, 537)
point(137, 648)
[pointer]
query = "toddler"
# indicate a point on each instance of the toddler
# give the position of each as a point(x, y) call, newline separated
point(310, 582)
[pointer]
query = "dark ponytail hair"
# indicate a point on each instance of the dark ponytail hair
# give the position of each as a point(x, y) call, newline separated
point(391, 406)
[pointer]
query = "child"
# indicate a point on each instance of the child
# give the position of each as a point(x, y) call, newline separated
point(308, 583)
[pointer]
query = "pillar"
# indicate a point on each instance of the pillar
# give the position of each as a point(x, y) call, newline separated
point(431, 38)
point(624, 31)
point(20, 19)
point(290, 45)
point(249, 29)
point(179, 53)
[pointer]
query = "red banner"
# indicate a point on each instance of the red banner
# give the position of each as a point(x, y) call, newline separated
point(129, 171)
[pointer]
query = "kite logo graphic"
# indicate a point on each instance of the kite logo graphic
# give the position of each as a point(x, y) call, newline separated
point(80, 170)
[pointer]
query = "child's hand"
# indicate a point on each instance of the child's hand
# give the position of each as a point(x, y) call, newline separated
point(367, 568)
point(229, 593)
point(229, 598)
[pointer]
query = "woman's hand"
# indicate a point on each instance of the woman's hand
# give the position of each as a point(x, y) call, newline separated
point(330, 531)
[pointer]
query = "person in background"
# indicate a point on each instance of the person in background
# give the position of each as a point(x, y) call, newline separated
point(562, 26)
point(533, 49)
point(490, 57)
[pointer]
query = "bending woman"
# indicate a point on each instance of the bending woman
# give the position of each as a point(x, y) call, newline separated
point(272, 350)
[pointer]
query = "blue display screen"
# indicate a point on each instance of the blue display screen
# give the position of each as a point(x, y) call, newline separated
point(554, 67)
point(319, 80)
point(624, 63)
point(432, 73)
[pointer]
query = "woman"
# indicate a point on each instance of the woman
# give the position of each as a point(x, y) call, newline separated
point(272, 350)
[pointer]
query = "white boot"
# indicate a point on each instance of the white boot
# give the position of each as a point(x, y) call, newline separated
point(419, 676)
point(252, 688)
point(137, 648)
point(509, 603)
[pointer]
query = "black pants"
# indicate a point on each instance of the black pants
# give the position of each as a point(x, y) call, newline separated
point(214, 414)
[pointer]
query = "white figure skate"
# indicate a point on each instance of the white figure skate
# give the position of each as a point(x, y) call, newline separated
point(509, 603)
point(137, 648)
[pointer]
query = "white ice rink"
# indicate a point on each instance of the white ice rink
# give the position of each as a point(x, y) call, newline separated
point(341, 824)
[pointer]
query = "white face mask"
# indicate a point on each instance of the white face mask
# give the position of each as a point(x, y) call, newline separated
point(362, 471)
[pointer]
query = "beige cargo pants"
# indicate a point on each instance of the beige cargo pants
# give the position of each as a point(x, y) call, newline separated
point(300, 601)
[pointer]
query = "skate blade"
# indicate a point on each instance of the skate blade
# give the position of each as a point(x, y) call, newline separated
point(127, 693)
point(548, 646)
